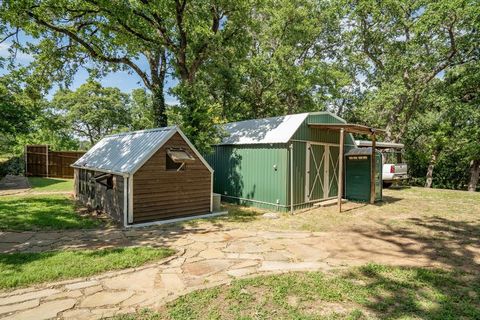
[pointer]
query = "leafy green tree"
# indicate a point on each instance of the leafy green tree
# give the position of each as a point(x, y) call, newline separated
point(444, 141)
point(401, 47)
point(48, 128)
point(94, 111)
point(141, 113)
point(20, 105)
point(287, 66)
point(16, 108)
point(124, 34)
point(116, 35)
point(463, 91)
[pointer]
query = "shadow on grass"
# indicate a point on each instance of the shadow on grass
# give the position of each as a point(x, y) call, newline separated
point(371, 291)
point(455, 244)
point(420, 293)
point(41, 212)
point(386, 200)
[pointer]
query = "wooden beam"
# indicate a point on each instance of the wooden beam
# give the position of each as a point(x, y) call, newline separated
point(291, 178)
point(372, 171)
point(349, 127)
point(340, 170)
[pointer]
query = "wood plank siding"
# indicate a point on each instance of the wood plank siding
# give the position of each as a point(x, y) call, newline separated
point(40, 161)
point(159, 193)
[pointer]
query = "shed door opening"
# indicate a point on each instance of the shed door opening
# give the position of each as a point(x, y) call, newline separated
point(321, 172)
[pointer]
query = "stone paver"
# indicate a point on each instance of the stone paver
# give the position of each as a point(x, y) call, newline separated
point(19, 306)
point(27, 296)
point(205, 257)
point(46, 310)
point(105, 298)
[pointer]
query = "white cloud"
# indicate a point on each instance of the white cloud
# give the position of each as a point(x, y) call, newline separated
point(21, 57)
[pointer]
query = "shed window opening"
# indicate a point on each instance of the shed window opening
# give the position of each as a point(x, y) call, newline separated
point(177, 158)
point(105, 180)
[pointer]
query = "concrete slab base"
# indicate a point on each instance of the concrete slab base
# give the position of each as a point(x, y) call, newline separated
point(160, 222)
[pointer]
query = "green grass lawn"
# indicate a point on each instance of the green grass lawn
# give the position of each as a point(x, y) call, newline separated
point(41, 212)
point(51, 185)
point(23, 269)
point(369, 292)
point(400, 208)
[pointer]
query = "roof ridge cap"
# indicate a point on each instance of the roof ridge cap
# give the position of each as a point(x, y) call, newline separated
point(141, 131)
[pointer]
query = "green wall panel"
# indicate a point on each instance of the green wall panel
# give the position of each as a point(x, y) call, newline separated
point(251, 172)
point(299, 153)
point(307, 133)
point(357, 178)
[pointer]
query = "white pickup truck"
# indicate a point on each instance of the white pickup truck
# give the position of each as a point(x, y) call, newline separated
point(394, 168)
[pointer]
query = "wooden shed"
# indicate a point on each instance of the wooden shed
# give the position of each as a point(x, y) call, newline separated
point(145, 176)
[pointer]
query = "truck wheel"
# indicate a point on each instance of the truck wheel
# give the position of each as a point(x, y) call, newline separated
point(387, 184)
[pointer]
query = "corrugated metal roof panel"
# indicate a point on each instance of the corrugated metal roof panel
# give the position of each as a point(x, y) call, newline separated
point(360, 152)
point(124, 153)
point(263, 131)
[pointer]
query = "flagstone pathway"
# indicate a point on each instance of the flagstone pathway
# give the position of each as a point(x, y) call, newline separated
point(205, 257)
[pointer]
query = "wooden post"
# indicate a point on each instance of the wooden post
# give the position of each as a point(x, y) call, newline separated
point(373, 165)
point(26, 160)
point(340, 170)
point(46, 155)
point(291, 178)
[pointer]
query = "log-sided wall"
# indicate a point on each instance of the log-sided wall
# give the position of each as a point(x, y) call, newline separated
point(96, 196)
point(160, 194)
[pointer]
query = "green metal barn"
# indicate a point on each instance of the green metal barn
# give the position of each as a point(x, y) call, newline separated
point(268, 162)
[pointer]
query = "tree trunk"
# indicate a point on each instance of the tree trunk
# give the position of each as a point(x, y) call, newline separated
point(474, 175)
point(158, 105)
point(431, 166)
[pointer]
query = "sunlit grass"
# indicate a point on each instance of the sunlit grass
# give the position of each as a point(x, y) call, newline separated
point(372, 291)
point(22, 269)
point(41, 212)
point(399, 207)
point(51, 184)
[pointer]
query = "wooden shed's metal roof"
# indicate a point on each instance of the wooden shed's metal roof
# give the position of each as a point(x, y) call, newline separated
point(125, 153)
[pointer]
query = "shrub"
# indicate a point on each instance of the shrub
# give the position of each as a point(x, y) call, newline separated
point(14, 165)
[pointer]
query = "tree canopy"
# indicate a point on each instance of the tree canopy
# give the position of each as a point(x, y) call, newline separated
point(409, 66)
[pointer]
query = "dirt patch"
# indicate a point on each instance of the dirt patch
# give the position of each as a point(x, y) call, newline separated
point(13, 184)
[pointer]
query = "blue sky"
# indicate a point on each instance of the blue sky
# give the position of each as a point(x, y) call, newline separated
point(123, 80)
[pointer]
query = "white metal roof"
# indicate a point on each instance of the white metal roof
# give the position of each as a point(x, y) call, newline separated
point(267, 130)
point(125, 153)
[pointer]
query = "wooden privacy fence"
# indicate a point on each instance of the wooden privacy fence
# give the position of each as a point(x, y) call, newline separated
point(40, 161)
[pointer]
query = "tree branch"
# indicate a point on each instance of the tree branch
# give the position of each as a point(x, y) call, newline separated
point(451, 54)
point(8, 36)
point(366, 46)
point(200, 56)
point(91, 50)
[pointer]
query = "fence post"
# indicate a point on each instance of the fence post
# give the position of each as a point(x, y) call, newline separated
point(25, 150)
point(46, 153)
